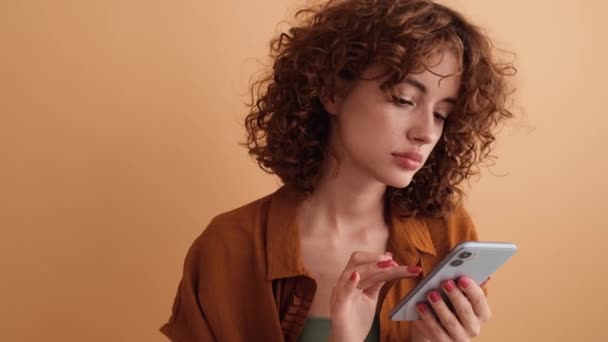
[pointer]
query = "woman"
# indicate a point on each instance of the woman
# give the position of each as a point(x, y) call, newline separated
point(373, 115)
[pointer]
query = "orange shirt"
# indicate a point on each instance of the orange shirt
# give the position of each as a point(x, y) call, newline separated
point(244, 278)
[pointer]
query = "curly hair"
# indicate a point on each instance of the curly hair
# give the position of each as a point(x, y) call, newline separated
point(288, 128)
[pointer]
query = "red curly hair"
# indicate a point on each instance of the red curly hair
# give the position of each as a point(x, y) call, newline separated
point(288, 128)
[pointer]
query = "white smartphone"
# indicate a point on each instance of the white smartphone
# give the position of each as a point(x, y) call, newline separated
point(474, 259)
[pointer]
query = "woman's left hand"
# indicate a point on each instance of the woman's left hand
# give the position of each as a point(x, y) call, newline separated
point(471, 311)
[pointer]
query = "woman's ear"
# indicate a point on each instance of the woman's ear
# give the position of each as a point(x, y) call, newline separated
point(332, 100)
point(329, 103)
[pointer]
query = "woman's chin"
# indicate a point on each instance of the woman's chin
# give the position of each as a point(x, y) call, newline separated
point(398, 181)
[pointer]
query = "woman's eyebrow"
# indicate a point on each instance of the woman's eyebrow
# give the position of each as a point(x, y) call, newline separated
point(423, 89)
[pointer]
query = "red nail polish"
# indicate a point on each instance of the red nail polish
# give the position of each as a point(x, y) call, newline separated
point(449, 286)
point(353, 275)
point(421, 308)
point(414, 269)
point(464, 282)
point(386, 263)
point(434, 296)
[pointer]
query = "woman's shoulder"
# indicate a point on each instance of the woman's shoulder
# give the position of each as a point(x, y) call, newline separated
point(247, 215)
point(237, 225)
point(237, 236)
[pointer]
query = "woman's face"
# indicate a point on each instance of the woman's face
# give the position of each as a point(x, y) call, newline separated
point(391, 141)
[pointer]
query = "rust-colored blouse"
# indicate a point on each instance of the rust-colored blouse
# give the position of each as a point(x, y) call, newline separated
point(244, 279)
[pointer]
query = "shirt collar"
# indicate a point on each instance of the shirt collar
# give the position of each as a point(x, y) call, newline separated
point(407, 237)
point(283, 250)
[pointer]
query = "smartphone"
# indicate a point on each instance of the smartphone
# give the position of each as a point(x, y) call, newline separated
point(474, 259)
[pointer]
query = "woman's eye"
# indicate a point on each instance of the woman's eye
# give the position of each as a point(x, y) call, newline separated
point(404, 102)
point(440, 116)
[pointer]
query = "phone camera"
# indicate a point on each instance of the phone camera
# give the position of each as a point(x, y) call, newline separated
point(456, 263)
point(465, 255)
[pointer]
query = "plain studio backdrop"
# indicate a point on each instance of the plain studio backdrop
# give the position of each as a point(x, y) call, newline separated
point(119, 124)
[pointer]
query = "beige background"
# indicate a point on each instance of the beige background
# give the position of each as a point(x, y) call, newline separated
point(119, 123)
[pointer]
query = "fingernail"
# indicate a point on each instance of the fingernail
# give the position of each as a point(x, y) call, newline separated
point(385, 263)
point(421, 308)
point(463, 282)
point(434, 296)
point(414, 269)
point(389, 254)
point(353, 275)
point(449, 286)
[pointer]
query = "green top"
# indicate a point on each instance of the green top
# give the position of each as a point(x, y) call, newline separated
point(318, 329)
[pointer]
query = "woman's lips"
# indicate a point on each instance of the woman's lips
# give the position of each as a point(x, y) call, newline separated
point(410, 161)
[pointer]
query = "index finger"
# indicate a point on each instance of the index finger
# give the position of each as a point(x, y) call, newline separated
point(389, 274)
point(359, 258)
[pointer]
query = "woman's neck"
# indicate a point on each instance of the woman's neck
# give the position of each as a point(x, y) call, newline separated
point(344, 202)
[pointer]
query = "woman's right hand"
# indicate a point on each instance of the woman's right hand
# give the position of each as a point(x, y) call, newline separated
point(355, 296)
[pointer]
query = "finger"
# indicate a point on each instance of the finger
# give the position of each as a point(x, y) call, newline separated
point(351, 285)
point(434, 330)
point(360, 258)
point(372, 277)
point(345, 288)
point(371, 288)
point(368, 269)
point(421, 331)
point(477, 298)
point(462, 308)
point(447, 318)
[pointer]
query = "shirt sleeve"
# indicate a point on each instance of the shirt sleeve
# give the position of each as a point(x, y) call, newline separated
point(188, 322)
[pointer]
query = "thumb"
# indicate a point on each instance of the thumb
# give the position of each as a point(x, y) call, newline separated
point(352, 283)
point(348, 288)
